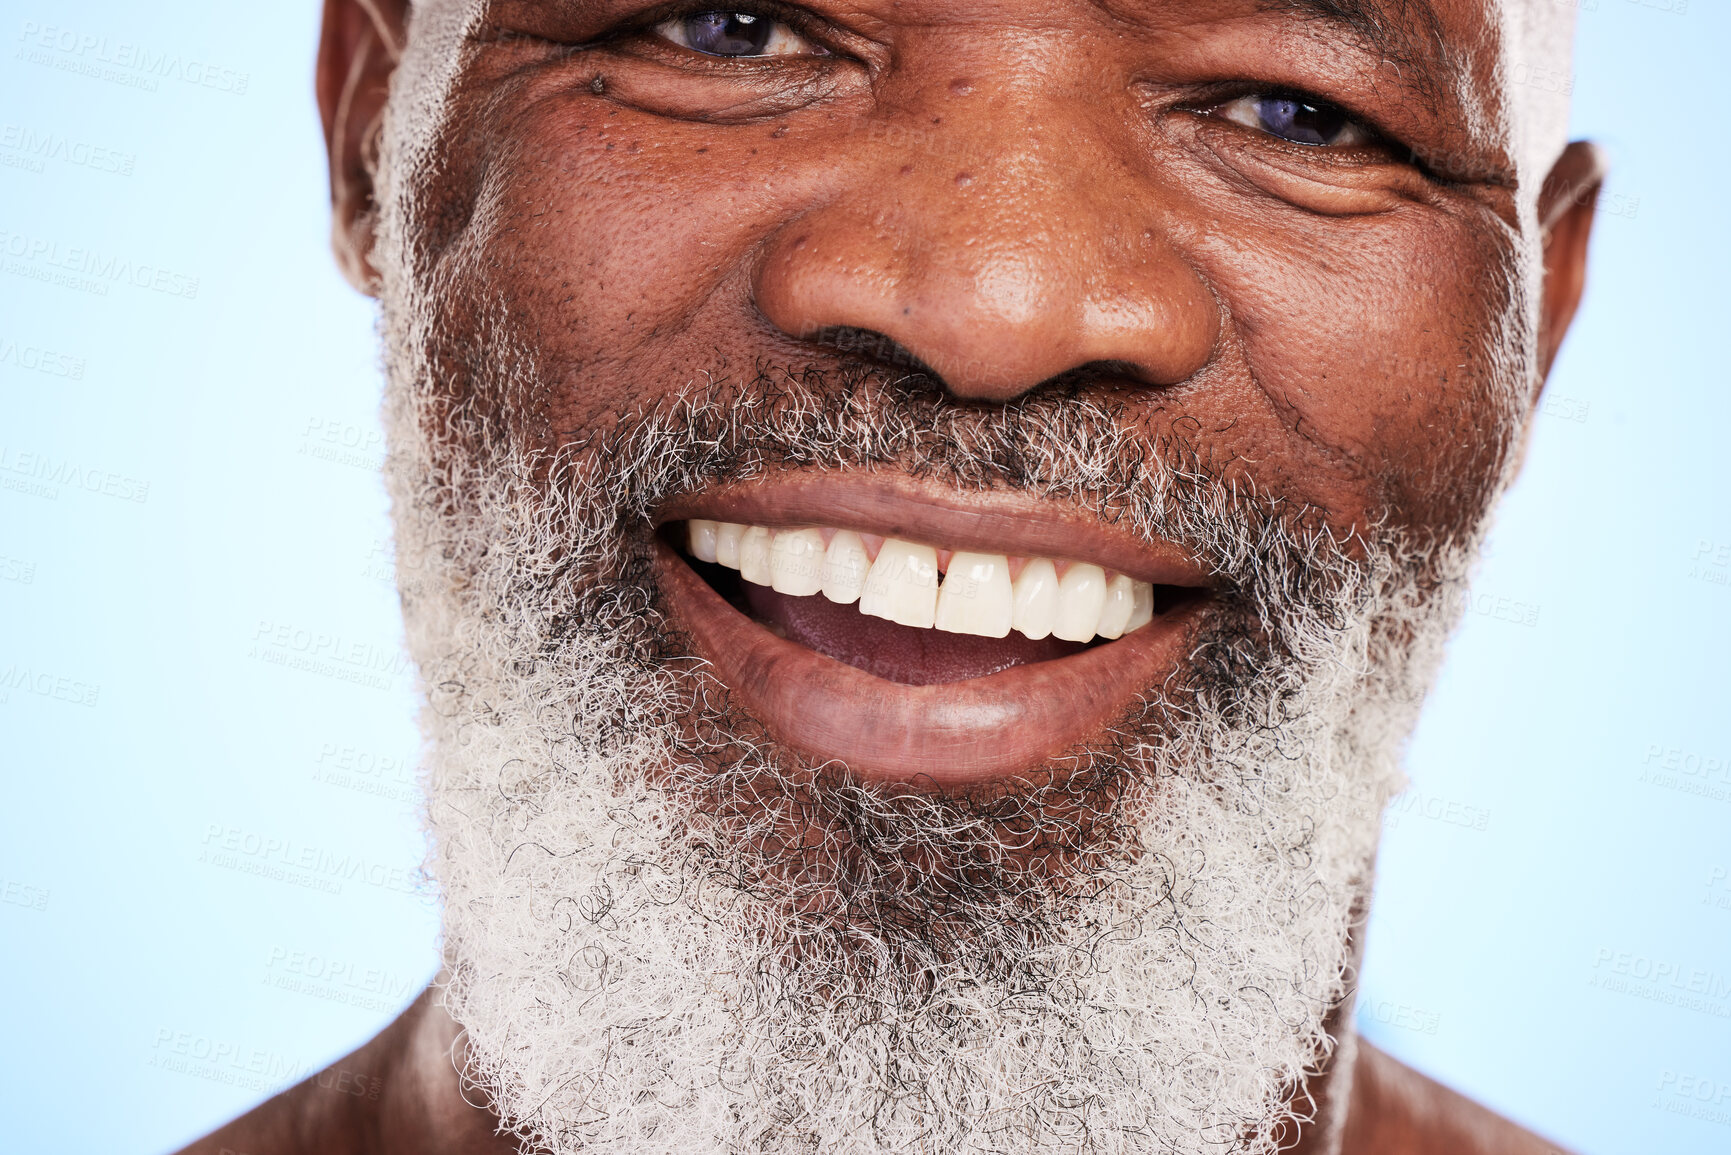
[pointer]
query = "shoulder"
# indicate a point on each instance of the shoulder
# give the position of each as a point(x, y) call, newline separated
point(1397, 1111)
point(395, 1096)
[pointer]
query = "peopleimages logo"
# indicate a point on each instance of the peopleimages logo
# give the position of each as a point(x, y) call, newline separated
point(299, 864)
point(39, 147)
point(40, 359)
point(225, 1061)
point(1694, 1096)
point(88, 270)
point(328, 653)
point(1662, 980)
point(47, 473)
point(45, 684)
point(337, 980)
point(121, 61)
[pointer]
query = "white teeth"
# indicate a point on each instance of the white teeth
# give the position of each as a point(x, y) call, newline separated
point(796, 562)
point(1081, 597)
point(754, 555)
point(844, 567)
point(1034, 607)
point(1120, 600)
point(702, 539)
point(1141, 608)
point(902, 584)
point(727, 535)
point(975, 597)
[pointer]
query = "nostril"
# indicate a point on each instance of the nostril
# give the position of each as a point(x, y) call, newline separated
point(1093, 372)
point(874, 347)
point(883, 351)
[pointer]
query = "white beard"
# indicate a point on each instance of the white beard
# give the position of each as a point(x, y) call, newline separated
point(626, 980)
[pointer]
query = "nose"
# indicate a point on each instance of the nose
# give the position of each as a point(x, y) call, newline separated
point(999, 264)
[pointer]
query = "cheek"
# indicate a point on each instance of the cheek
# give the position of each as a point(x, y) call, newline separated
point(1379, 343)
point(617, 233)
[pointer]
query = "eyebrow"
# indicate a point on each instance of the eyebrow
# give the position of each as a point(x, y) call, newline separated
point(1400, 38)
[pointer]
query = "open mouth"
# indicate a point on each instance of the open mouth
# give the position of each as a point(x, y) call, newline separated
point(909, 632)
point(914, 613)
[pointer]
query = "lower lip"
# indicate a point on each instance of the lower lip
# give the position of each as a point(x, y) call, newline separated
point(956, 734)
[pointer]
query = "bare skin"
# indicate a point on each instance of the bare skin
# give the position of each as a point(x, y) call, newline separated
point(1007, 191)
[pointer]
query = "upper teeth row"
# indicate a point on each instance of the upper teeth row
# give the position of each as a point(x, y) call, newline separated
point(975, 595)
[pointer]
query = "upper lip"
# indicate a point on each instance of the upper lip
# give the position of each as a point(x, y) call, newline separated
point(988, 520)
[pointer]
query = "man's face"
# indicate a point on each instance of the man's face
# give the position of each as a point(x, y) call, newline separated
point(716, 336)
point(1274, 246)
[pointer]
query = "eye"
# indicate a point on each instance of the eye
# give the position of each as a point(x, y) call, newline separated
point(1299, 119)
point(736, 35)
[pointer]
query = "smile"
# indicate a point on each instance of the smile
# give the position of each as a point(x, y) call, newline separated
point(917, 633)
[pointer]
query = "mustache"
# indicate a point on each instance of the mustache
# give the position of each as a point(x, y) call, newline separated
point(1100, 448)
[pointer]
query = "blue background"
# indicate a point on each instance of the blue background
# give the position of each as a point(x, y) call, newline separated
point(207, 832)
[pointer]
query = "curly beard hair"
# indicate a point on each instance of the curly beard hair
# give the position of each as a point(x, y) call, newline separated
point(666, 933)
